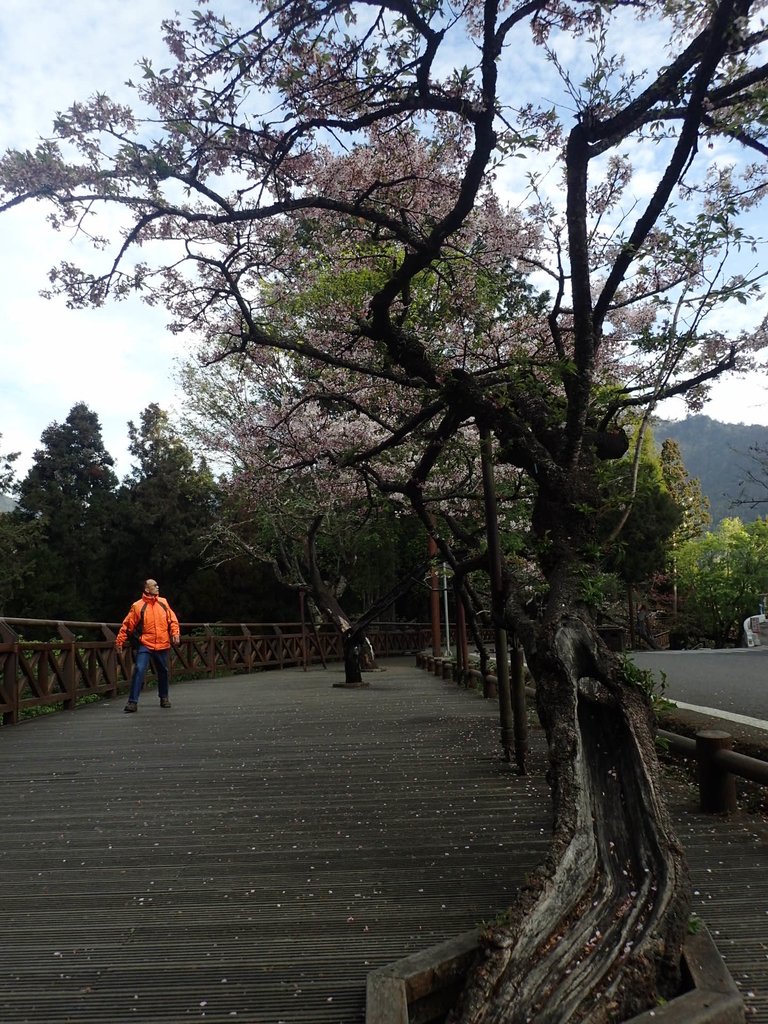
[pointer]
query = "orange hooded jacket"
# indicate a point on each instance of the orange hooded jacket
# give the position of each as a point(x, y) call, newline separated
point(160, 626)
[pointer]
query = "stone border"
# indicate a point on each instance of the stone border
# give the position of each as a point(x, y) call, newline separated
point(421, 988)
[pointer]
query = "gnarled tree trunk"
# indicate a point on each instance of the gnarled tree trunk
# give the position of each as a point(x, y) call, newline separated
point(597, 934)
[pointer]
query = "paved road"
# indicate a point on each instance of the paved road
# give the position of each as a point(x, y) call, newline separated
point(734, 681)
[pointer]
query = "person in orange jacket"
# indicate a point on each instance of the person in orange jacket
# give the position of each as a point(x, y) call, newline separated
point(152, 627)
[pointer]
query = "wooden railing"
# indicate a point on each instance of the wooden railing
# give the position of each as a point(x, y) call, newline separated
point(48, 664)
point(717, 764)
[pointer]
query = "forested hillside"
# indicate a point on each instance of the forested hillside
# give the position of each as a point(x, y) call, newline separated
point(76, 542)
point(720, 455)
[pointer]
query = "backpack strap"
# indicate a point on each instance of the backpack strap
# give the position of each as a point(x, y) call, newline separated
point(140, 623)
point(134, 636)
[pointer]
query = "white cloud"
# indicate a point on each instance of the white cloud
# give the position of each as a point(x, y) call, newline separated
point(733, 401)
point(117, 359)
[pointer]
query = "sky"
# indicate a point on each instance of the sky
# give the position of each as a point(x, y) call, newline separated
point(116, 359)
point(120, 358)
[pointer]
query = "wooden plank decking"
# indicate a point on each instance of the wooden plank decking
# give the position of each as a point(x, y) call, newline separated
point(252, 853)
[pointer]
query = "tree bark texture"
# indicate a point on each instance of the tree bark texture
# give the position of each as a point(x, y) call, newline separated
point(597, 934)
point(352, 652)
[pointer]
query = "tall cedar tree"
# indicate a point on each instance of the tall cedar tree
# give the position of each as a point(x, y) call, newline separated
point(169, 509)
point(70, 494)
point(165, 509)
point(686, 492)
point(17, 537)
point(642, 547)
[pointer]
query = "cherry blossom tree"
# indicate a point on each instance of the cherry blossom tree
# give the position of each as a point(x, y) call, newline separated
point(382, 202)
point(288, 502)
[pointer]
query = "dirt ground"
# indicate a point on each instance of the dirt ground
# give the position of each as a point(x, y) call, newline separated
point(752, 797)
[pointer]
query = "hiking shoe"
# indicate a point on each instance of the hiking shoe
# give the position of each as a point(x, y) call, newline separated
point(131, 706)
point(164, 702)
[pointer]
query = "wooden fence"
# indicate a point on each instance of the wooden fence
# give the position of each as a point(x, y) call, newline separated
point(717, 764)
point(47, 664)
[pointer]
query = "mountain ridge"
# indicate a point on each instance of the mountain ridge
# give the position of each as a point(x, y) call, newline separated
point(719, 455)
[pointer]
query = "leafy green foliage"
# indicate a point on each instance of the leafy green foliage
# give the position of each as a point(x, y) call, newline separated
point(17, 537)
point(686, 492)
point(652, 685)
point(643, 542)
point(722, 576)
point(163, 512)
point(78, 546)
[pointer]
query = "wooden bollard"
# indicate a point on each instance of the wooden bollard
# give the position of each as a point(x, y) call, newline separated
point(717, 787)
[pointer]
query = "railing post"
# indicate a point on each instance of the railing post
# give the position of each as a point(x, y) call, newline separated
point(717, 787)
point(110, 662)
point(519, 705)
point(280, 645)
point(10, 674)
point(211, 654)
point(70, 675)
point(302, 609)
point(462, 643)
point(249, 647)
point(12, 687)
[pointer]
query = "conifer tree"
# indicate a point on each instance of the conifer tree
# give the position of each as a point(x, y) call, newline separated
point(686, 492)
point(164, 514)
point(70, 493)
point(17, 538)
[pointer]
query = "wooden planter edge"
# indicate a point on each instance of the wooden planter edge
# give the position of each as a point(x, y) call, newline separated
point(422, 987)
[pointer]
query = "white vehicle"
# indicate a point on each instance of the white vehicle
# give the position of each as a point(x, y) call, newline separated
point(756, 630)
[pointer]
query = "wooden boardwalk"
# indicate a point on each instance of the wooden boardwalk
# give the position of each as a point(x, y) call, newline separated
point(252, 853)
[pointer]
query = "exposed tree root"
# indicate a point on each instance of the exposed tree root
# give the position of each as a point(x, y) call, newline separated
point(597, 935)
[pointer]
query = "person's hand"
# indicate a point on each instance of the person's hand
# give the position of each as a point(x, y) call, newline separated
point(175, 640)
point(118, 647)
